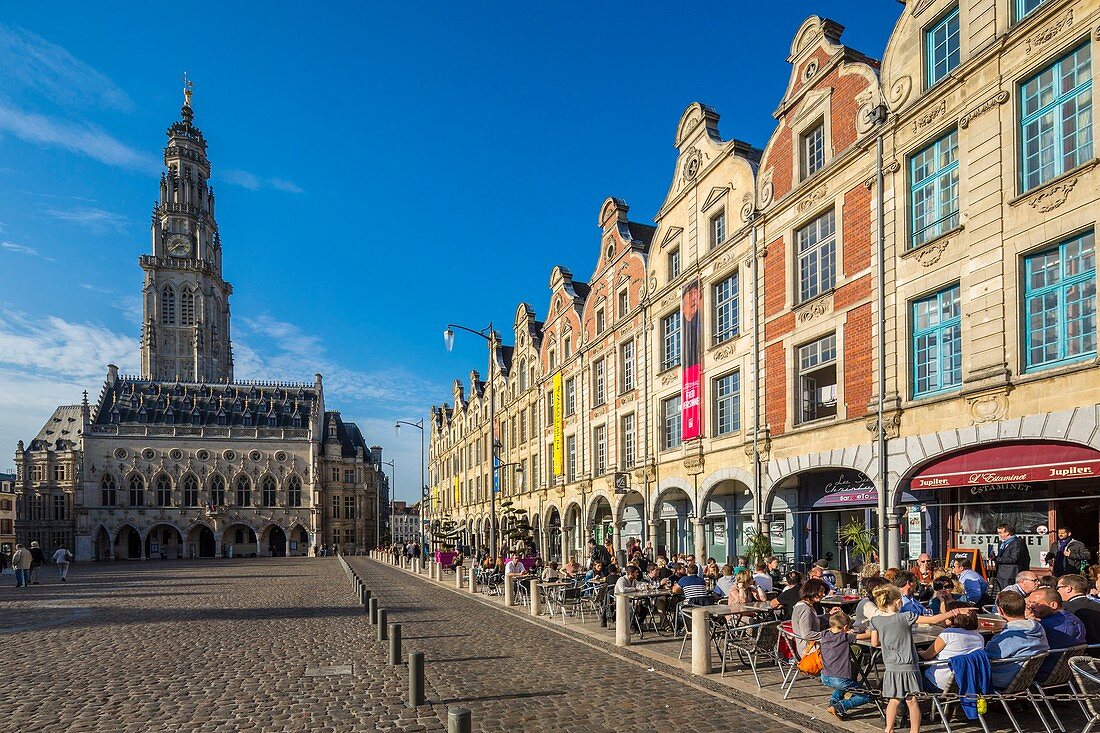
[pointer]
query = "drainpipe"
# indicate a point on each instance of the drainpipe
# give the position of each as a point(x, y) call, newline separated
point(757, 293)
point(885, 521)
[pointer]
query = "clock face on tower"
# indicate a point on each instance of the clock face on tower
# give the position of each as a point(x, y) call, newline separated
point(179, 245)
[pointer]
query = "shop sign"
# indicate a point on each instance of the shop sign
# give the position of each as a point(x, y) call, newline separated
point(913, 522)
point(1010, 466)
point(985, 541)
point(979, 490)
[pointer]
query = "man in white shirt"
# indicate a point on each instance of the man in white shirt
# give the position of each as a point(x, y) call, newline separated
point(514, 567)
point(761, 577)
point(628, 580)
point(61, 558)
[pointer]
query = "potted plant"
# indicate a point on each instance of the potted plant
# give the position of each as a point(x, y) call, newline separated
point(757, 546)
point(860, 539)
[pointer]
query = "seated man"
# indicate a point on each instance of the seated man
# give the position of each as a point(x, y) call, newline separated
point(1073, 590)
point(692, 587)
point(1062, 627)
point(973, 583)
point(725, 581)
point(1021, 637)
point(907, 583)
point(817, 572)
point(1026, 581)
point(761, 577)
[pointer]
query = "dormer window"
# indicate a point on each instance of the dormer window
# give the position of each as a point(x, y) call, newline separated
point(624, 302)
point(567, 347)
point(812, 149)
point(674, 264)
point(600, 321)
point(941, 43)
point(718, 229)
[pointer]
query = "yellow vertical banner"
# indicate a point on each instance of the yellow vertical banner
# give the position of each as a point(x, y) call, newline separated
point(559, 426)
point(456, 492)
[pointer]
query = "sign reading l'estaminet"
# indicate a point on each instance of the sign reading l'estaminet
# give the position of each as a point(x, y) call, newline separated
point(1014, 475)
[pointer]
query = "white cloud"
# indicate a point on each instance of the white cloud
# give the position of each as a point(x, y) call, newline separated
point(79, 137)
point(92, 217)
point(31, 63)
point(253, 182)
point(24, 250)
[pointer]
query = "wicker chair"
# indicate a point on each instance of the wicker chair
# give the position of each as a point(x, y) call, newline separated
point(1086, 685)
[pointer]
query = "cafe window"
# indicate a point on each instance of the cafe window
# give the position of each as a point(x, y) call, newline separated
point(1060, 303)
point(817, 379)
point(937, 343)
point(1056, 118)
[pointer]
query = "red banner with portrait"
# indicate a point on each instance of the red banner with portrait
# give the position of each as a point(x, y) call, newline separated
point(691, 382)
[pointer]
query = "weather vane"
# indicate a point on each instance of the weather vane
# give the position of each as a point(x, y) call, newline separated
point(188, 86)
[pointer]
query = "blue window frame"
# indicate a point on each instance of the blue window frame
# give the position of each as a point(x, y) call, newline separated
point(1060, 303)
point(937, 343)
point(1024, 8)
point(941, 47)
point(1056, 118)
point(934, 189)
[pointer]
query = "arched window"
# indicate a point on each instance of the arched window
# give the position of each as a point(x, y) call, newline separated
point(190, 491)
point(164, 490)
point(137, 490)
point(217, 490)
point(267, 488)
point(215, 316)
point(244, 491)
point(187, 307)
point(110, 491)
point(168, 306)
point(295, 491)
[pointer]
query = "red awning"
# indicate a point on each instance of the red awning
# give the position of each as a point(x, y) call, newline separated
point(1010, 463)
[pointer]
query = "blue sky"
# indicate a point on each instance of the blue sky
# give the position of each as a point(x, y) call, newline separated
point(381, 169)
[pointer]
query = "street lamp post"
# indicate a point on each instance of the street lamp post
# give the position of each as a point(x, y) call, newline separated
point(419, 425)
point(489, 335)
point(393, 478)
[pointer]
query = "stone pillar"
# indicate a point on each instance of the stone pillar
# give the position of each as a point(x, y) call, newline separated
point(700, 641)
point(651, 536)
point(458, 578)
point(622, 621)
point(509, 590)
point(536, 600)
point(564, 546)
point(701, 542)
point(472, 580)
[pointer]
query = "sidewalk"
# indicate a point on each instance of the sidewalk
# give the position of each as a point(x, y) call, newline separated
point(805, 706)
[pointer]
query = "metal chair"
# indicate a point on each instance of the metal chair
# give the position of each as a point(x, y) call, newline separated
point(1086, 685)
point(716, 630)
point(572, 601)
point(1060, 676)
point(752, 642)
point(1029, 667)
point(790, 675)
point(943, 708)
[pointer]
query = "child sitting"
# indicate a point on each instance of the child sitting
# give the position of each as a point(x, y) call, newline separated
point(836, 656)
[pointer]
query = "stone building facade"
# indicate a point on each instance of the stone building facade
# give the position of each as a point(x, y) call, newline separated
point(183, 461)
point(968, 324)
point(7, 513)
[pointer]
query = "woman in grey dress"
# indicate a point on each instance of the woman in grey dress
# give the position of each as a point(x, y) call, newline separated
point(893, 632)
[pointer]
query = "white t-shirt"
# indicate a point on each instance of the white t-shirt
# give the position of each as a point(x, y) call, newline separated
point(763, 581)
point(62, 555)
point(956, 643)
point(514, 567)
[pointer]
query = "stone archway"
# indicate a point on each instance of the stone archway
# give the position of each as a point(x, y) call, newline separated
point(127, 544)
point(574, 542)
point(201, 542)
point(601, 520)
point(726, 516)
point(675, 528)
point(631, 518)
point(239, 540)
point(163, 541)
point(553, 535)
point(101, 546)
point(273, 542)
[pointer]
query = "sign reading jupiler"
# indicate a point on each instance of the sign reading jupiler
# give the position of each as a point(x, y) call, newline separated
point(1014, 475)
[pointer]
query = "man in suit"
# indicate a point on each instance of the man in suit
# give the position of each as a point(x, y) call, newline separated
point(1012, 555)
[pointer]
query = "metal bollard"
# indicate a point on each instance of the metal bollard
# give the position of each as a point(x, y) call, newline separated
point(366, 599)
point(372, 609)
point(395, 644)
point(383, 620)
point(416, 679)
point(458, 720)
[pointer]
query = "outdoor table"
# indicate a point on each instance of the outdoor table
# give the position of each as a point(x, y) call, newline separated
point(924, 635)
point(552, 592)
point(841, 601)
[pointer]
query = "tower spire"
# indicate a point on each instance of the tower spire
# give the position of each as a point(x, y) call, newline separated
point(188, 90)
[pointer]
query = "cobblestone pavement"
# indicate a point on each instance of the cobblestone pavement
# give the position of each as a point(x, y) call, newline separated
point(225, 646)
point(213, 646)
point(518, 676)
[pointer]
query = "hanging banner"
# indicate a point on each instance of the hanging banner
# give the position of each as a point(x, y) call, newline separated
point(456, 502)
point(559, 426)
point(691, 389)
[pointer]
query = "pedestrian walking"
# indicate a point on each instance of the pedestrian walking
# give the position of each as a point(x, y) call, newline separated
point(1067, 555)
point(61, 559)
point(38, 559)
point(21, 561)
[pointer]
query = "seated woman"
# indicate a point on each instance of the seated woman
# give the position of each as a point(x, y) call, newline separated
point(960, 637)
point(711, 571)
point(744, 590)
point(550, 573)
point(572, 568)
point(866, 608)
point(943, 592)
point(594, 576)
point(457, 561)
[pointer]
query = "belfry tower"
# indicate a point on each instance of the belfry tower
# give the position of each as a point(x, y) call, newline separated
point(185, 324)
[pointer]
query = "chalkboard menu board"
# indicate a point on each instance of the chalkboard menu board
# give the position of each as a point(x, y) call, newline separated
point(972, 554)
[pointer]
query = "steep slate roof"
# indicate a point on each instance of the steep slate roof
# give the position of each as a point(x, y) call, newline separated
point(64, 425)
point(135, 401)
point(348, 434)
point(641, 233)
